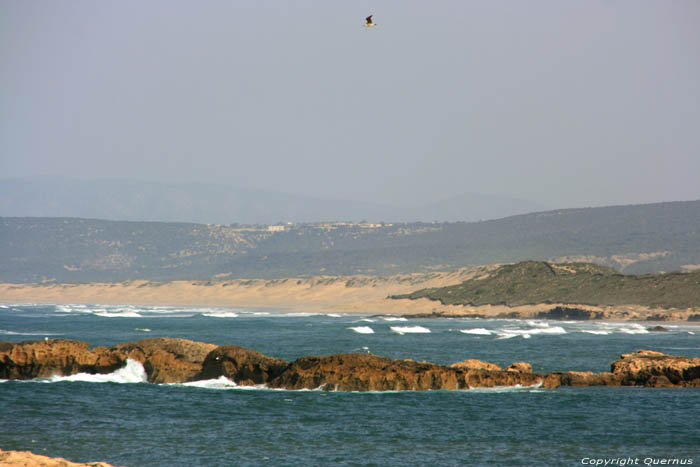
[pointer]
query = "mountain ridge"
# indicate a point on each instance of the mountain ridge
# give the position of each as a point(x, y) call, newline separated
point(633, 239)
point(133, 200)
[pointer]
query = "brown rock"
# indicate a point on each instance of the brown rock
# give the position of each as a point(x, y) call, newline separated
point(366, 372)
point(26, 458)
point(473, 364)
point(588, 378)
point(166, 360)
point(520, 367)
point(649, 368)
point(36, 359)
point(241, 365)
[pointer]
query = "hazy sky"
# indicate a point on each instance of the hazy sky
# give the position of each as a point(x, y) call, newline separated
point(569, 103)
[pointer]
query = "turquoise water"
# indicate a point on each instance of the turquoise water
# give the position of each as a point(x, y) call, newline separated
point(217, 424)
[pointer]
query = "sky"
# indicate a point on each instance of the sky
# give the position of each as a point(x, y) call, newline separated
point(565, 103)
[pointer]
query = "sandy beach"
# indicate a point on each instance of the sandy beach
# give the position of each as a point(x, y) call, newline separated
point(344, 294)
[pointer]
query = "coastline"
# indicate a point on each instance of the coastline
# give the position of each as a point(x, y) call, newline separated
point(321, 294)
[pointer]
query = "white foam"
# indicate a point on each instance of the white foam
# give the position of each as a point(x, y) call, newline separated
point(409, 330)
point(363, 329)
point(507, 333)
point(507, 336)
point(142, 329)
point(394, 318)
point(20, 333)
point(477, 331)
point(537, 324)
point(119, 314)
point(221, 314)
point(500, 389)
point(334, 315)
point(691, 332)
point(72, 309)
point(366, 320)
point(594, 331)
point(133, 372)
point(221, 382)
point(633, 328)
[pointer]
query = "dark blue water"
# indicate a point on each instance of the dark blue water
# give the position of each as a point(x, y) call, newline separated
point(142, 424)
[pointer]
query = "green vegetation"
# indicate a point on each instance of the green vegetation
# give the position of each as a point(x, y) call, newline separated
point(633, 239)
point(533, 282)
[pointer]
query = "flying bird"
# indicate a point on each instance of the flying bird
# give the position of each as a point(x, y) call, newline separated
point(369, 22)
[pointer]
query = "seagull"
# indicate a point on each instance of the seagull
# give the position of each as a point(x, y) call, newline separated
point(369, 22)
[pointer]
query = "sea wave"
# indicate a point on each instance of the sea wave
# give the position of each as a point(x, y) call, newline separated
point(507, 333)
point(409, 330)
point(133, 372)
point(119, 314)
point(221, 314)
point(501, 389)
point(362, 329)
point(394, 318)
point(221, 382)
point(22, 333)
point(477, 331)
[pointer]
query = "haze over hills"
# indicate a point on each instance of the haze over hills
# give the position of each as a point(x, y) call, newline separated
point(132, 200)
point(633, 239)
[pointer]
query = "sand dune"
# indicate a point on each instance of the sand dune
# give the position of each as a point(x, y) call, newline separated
point(345, 294)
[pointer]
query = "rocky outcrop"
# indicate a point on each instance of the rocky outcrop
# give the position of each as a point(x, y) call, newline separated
point(587, 378)
point(568, 313)
point(169, 360)
point(473, 364)
point(27, 458)
point(38, 359)
point(643, 368)
point(366, 372)
point(166, 360)
point(520, 367)
point(649, 368)
point(241, 365)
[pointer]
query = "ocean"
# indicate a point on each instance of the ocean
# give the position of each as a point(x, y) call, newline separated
point(120, 419)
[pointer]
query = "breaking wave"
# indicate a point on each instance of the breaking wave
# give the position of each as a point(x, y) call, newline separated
point(409, 329)
point(362, 329)
point(221, 314)
point(20, 333)
point(507, 333)
point(477, 331)
point(133, 372)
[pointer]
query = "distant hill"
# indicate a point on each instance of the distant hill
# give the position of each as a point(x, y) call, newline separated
point(534, 282)
point(634, 239)
point(220, 204)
